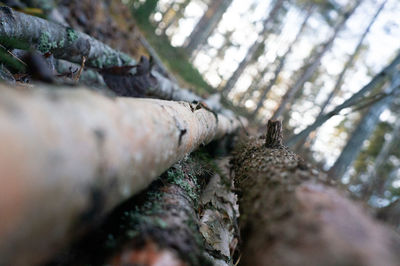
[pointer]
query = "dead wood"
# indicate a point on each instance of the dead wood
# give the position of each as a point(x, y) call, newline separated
point(21, 31)
point(290, 216)
point(69, 156)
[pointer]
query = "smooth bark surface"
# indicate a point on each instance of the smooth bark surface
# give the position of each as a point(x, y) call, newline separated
point(69, 156)
point(290, 215)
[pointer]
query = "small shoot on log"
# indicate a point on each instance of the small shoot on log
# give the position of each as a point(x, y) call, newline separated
point(274, 135)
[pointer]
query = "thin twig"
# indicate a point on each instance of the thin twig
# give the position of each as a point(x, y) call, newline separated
point(78, 75)
point(13, 55)
point(238, 260)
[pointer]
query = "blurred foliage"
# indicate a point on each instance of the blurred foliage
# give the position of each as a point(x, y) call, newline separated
point(179, 64)
point(368, 155)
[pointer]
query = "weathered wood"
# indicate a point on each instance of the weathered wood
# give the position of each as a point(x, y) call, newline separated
point(274, 135)
point(21, 31)
point(169, 225)
point(291, 216)
point(181, 218)
point(69, 156)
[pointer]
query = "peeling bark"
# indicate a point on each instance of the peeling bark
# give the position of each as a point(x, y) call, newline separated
point(69, 156)
point(205, 238)
point(218, 219)
point(166, 226)
point(291, 216)
point(179, 220)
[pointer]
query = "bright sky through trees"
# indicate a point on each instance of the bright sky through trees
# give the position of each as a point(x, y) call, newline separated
point(245, 22)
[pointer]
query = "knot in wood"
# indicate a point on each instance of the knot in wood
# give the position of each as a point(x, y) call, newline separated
point(273, 138)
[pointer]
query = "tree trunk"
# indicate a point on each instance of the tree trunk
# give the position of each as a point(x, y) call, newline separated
point(309, 71)
point(391, 214)
point(206, 25)
point(289, 215)
point(281, 62)
point(374, 83)
point(179, 219)
point(254, 47)
point(253, 86)
point(21, 31)
point(364, 129)
point(69, 156)
point(376, 183)
point(347, 66)
point(178, 15)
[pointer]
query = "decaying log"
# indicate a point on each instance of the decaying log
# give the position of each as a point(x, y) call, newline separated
point(164, 231)
point(218, 218)
point(21, 31)
point(181, 219)
point(69, 155)
point(179, 233)
point(290, 215)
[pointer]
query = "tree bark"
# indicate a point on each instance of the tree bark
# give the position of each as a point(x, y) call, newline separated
point(364, 129)
point(206, 25)
point(309, 71)
point(281, 62)
point(179, 220)
point(254, 47)
point(21, 31)
point(290, 215)
point(69, 156)
point(374, 83)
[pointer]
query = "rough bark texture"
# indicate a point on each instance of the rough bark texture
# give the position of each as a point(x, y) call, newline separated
point(179, 220)
point(218, 218)
point(290, 217)
point(21, 31)
point(69, 156)
point(274, 135)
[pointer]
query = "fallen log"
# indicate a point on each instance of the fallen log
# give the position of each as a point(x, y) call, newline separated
point(69, 155)
point(168, 225)
point(21, 31)
point(290, 215)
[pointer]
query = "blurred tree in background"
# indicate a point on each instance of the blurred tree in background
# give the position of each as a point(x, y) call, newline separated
point(313, 63)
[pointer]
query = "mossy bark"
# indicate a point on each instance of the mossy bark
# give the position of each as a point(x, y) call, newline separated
point(21, 31)
point(179, 220)
point(290, 215)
